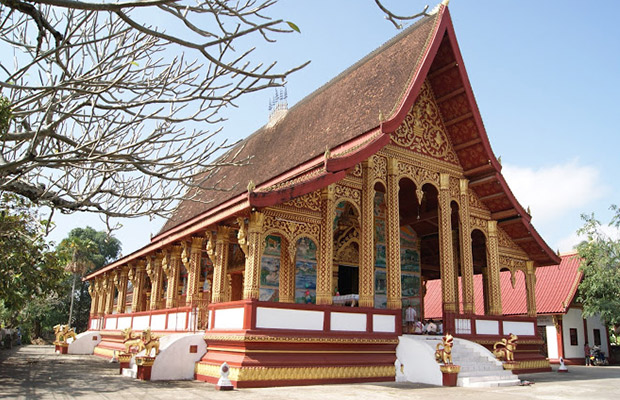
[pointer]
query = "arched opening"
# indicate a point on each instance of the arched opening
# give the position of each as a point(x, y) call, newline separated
point(411, 273)
point(456, 254)
point(380, 240)
point(182, 285)
point(269, 285)
point(129, 297)
point(346, 248)
point(305, 271)
point(479, 256)
point(143, 303)
point(236, 269)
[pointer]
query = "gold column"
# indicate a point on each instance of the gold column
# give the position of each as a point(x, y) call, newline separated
point(218, 253)
point(92, 291)
point(367, 246)
point(101, 291)
point(109, 293)
point(120, 281)
point(136, 276)
point(287, 271)
point(172, 266)
point(445, 246)
point(154, 270)
point(193, 269)
point(394, 290)
point(530, 288)
point(495, 298)
point(255, 247)
point(326, 245)
point(467, 261)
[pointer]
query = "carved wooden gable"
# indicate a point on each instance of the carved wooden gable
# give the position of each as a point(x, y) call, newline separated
point(423, 130)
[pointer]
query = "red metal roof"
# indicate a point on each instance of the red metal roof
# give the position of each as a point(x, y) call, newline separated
point(556, 286)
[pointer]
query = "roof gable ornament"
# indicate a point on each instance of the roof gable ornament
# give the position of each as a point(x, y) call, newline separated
point(438, 6)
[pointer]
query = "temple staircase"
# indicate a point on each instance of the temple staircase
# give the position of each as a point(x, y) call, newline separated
point(479, 368)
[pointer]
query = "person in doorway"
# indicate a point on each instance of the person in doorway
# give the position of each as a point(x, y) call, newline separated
point(586, 352)
point(410, 317)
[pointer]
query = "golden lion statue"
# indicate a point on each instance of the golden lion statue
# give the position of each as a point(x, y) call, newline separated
point(150, 342)
point(444, 355)
point(130, 341)
point(146, 341)
point(63, 332)
point(504, 349)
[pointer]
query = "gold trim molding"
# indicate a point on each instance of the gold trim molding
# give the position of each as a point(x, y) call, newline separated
point(296, 373)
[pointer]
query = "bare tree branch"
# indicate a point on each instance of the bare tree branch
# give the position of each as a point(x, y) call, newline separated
point(113, 114)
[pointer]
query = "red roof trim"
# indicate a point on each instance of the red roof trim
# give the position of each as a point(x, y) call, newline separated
point(271, 198)
point(202, 225)
point(412, 91)
point(347, 161)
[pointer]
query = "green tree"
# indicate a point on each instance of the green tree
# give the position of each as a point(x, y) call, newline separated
point(81, 252)
point(599, 292)
point(29, 269)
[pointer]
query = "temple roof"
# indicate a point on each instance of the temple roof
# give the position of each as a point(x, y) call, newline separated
point(359, 109)
point(556, 287)
point(344, 108)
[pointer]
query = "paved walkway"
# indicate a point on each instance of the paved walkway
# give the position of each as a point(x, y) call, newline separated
point(35, 372)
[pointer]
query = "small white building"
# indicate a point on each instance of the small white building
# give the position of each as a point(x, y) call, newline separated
point(560, 316)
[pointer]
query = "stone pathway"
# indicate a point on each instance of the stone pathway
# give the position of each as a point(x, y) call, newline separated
point(36, 372)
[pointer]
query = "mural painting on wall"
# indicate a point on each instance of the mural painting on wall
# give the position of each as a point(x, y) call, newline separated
point(305, 272)
point(270, 269)
point(410, 268)
point(380, 252)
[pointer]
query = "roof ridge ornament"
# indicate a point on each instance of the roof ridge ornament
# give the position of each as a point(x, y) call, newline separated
point(438, 7)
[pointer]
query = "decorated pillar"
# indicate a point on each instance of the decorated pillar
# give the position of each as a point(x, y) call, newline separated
point(109, 294)
point(530, 288)
point(255, 247)
point(448, 291)
point(154, 271)
point(467, 261)
point(172, 267)
point(101, 294)
point(367, 246)
point(326, 246)
point(92, 291)
point(495, 295)
point(287, 271)
point(218, 253)
point(137, 277)
point(192, 263)
point(120, 281)
point(394, 289)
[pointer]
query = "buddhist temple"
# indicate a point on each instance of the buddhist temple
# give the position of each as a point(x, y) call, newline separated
point(352, 199)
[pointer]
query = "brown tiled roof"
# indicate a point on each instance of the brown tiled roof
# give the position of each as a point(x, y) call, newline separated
point(344, 108)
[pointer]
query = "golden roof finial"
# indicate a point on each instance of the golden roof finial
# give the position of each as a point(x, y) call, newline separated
point(499, 160)
point(445, 2)
point(529, 211)
point(381, 117)
point(328, 153)
point(251, 186)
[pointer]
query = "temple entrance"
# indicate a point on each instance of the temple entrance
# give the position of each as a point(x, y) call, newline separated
point(348, 279)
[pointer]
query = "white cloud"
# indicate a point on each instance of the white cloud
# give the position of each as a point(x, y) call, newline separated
point(555, 190)
point(568, 243)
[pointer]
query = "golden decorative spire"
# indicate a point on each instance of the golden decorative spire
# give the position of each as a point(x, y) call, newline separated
point(251, 186)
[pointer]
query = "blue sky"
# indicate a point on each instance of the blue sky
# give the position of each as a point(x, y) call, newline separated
point(545, 74)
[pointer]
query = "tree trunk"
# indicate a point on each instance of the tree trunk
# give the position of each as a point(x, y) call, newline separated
point(72, 297)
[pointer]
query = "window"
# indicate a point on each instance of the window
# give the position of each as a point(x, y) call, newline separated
point(573, 336)
point(597, 337)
